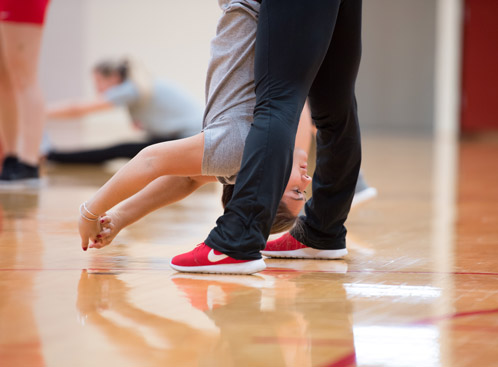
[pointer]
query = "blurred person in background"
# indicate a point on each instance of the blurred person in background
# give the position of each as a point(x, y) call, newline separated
point(21, 100)
point(159, 108)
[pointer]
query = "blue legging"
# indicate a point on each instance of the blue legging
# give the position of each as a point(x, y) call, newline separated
point(304, 48)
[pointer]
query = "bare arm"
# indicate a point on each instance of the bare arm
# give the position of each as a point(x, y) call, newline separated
point(140, 180)
point(77, 109)
point(176, 158)
point(163, 191)
point(169, 189)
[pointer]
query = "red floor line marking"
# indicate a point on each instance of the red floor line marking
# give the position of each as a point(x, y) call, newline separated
point(278, 270)
point(474, 328)
point(347, 361)
point(275, 270)
point(422, 272)
point(457, 315)
point(90, 270)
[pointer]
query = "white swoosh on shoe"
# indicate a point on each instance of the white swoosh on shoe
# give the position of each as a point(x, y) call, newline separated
point(215, 258)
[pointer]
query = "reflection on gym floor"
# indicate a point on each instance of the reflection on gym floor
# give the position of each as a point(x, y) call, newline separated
point(417, 289)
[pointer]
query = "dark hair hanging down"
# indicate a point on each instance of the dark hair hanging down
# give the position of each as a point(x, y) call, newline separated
point(112, 67)
point(284, 220)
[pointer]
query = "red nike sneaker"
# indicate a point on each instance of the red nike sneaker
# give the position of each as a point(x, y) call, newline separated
point(288, 247)
point(204, 259)
point(210, 291)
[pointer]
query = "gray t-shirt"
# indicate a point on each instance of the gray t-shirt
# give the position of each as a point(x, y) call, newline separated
point(230, 97)
point(169, 111)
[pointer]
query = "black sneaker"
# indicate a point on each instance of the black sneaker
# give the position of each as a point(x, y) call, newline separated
point(9, 163)
point(23, 174)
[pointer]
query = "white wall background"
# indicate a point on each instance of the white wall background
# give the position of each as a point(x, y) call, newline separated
point(395, 85)
point(170, 37)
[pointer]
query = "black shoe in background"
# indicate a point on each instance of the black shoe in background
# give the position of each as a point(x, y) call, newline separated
point(8, 166)
point(20, 172)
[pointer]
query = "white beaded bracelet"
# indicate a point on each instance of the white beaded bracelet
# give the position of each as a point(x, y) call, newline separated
point(84, 216)
point(88, 211)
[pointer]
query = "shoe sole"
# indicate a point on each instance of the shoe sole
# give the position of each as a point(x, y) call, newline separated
point(363, 196)
point(24, 184)
point(247, 280)
point(339, 266)
point(249, 267)
point(307, 253)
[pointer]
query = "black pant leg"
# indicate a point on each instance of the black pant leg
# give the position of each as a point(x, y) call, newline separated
point(97, 156)
point(334, 111)
point(292, 41)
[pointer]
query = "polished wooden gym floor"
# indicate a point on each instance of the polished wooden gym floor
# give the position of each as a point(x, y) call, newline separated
point(418, 288)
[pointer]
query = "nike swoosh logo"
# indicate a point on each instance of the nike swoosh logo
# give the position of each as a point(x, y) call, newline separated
point(215, 258)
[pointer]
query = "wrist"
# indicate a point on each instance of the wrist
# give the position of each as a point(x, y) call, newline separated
point(87, 213)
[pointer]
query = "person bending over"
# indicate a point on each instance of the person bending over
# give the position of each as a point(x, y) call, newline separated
point(158, 107)
point(167, 172)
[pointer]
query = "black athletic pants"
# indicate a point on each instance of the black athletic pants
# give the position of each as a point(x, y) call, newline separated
point(304, 48)
point(101, 155)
